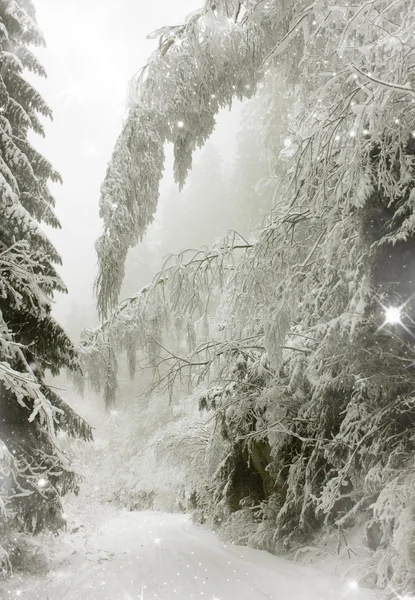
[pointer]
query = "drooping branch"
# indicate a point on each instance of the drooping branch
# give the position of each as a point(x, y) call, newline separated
point(178, 296)
point(198, 69)
point(202, 66)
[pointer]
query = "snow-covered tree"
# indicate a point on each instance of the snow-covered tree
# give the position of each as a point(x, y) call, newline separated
point(33, 471)
point(309, 367)
point(199, 69)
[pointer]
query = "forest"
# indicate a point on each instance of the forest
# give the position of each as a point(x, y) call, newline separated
point(255, 356)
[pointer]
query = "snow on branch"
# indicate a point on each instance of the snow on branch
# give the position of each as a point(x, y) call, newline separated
point(198, 69)
point(25, 387)
point(180, 294)
point(407, 88)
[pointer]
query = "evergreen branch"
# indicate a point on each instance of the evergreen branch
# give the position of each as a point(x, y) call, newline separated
point(388, 84)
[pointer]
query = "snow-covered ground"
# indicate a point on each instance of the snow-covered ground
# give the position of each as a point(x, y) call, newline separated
point(145, 555)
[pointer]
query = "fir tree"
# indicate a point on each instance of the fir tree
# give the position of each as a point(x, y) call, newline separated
point(34, 473)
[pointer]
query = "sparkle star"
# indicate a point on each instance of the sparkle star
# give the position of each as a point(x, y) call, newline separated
point(393, 315)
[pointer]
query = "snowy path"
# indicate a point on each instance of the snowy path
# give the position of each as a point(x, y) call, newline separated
point(141, 556)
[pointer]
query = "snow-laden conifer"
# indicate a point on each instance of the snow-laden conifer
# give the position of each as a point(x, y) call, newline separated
point(33, 471)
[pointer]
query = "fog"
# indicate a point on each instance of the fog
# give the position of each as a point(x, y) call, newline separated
point(93, 49)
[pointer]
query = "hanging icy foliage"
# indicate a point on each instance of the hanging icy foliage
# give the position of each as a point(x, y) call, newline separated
point(179, 298)
point(198, 69)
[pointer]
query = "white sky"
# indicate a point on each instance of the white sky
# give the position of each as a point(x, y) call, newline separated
point(93, 48)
